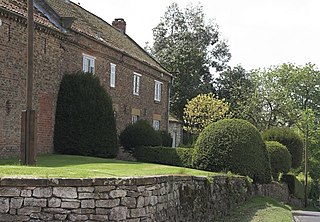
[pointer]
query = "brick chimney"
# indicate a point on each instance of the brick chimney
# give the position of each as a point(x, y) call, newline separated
point(119, 24)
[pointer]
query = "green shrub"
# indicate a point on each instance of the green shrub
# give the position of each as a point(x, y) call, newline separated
point(280, 158)
point(233, 145)
point(166, 139)
point(296, 188)
point(84, 123)
point(141, 133)
point(290, 139)
point(165, 155)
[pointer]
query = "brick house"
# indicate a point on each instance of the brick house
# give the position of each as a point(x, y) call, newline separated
point(69, 39)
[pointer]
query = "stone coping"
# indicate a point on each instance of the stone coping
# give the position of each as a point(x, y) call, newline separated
point(80, 182)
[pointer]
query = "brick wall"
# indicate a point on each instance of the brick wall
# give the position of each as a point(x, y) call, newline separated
point(55, 55)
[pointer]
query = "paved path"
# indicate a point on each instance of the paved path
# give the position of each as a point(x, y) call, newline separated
point(306, 216)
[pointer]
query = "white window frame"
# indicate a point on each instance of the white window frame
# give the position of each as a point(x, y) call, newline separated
point(156, 124)
point(113, 75)
point(88, 63)
point(157, 90)
point(134, 118)
point(136, 83)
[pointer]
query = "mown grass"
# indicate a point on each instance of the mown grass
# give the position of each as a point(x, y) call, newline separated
point(260, 209)
point(66, 166)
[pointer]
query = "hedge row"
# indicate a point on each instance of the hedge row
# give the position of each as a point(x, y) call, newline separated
point(165, 155)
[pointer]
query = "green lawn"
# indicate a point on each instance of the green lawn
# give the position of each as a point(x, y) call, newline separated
point(65, 166)
point(260, 209)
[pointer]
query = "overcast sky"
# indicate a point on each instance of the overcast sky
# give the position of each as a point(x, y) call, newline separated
point(260, 33)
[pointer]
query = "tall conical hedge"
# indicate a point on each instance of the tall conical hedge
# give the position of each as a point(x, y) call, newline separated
point(85, 122)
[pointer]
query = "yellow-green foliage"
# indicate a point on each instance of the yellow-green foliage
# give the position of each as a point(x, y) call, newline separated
point(203, 110)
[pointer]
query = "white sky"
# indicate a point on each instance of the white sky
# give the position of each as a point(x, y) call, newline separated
point(260, 33)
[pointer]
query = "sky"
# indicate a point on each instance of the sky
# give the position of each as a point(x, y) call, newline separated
point(260, 33)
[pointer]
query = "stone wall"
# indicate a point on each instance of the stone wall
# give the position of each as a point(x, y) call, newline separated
point(161, 198)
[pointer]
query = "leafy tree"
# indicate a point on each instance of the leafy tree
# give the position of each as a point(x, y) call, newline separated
point(235, 86)
point(203, 110)
point(85, 122)
point(283, 93)
point(185, 43)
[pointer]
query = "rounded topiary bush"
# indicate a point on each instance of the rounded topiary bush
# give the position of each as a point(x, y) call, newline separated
point(290, 139)
point(84, 122)
point(280, 158)
point(141, 133)
point(233, 145)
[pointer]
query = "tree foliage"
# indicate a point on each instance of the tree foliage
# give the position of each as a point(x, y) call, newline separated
point(280, 158)
point(203, 110)
point(85, 122)
point(233, 145)
point(282, 94)
point(187, 44)
point(235, 86)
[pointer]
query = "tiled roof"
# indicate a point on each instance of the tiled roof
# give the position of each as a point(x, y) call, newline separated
point(20, 7)
point(89, 24)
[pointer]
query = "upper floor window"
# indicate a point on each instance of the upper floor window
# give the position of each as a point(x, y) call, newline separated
point(136, 83)
point(88, 64)
point(157, 91)
point(112, 75)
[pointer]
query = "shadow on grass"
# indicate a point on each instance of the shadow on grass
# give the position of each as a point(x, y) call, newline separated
point(57, 160)
point(249, 210)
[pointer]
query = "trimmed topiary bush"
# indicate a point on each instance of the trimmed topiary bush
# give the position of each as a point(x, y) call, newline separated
point(84, 123)
point(233, 145)
point(165, 155)
point(290, 139)
point(280, 158)
point(141, 133)
point(166, 139)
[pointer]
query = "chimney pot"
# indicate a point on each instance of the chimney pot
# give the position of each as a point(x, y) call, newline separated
point(119, 24)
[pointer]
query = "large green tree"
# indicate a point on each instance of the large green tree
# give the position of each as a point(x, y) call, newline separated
point(190, 46)
point(235, 86)
point(282, 94)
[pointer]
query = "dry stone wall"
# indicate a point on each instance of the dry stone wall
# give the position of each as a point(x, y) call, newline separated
point(161, 198)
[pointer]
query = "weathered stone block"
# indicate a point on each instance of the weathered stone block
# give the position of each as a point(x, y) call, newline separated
point(65, 192)
point(140, 202)
point(34, 202)
point(87, 204)
point(101, 189)
point(77, 217)
point(86, 189)
point(9, 192)
point(54, 202)
point(83, 211)
point(42, 216)
point(16, 203)
point(98, 217)
point(102, 211)
point(70, 205)
point(86, 196)
point(129, 202)
point(118, 213)
point(107, 203)
point(138, 212)
point(117, 193)
point(26, 193)
point(28, 210)
point(42, 192)
point(8, 217)
point(62, 217)
point(56, 210)
point(4, 205)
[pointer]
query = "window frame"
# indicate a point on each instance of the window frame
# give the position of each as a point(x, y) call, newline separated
point(136, 83)
point(92, 63)
point(156, 124)
point(113, 75)
point(134, 119)
point(157, 90)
